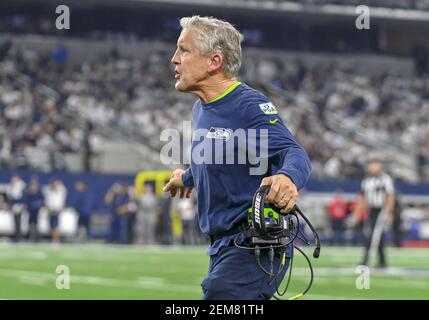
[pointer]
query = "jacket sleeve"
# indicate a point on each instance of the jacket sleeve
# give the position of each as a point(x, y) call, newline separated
point(187, 178)
point(285, 155)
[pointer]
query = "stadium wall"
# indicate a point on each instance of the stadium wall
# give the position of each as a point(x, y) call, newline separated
point(313, 199)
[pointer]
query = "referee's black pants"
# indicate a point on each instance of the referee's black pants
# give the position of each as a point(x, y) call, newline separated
point(372, 220)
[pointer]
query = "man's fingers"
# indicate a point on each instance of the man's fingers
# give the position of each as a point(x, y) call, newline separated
point(273, 194)
point(289, 206)
point(274, 190)
point(167, 187)
point(189, 192)
point(174, 183)
point(266, 181)
point(182, 192)
point(282, 196)
point(170, 187)
point(283, 202)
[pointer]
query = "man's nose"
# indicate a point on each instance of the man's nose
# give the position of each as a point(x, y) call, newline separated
point(174, 59)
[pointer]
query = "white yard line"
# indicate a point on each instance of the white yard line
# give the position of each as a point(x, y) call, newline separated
point(333, 253)
point(158, 249)
point(353, 251)
point(144, 283)
point(392, 271)
point(36, 255)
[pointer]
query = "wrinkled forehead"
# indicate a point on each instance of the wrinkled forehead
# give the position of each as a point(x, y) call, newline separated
point(187, 37)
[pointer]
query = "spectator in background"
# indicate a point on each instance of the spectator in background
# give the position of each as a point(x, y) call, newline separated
point(117, 198)
point(146, 217)
point(56, 158)
point(83, 204)
point(187, 213)
point(33, 200)
point(385, 106)
point(55, 199)
point(15, 194)
point(60, 54)
point(132, 212)
point(109, 200)
point(337, 210)
point(164, 225)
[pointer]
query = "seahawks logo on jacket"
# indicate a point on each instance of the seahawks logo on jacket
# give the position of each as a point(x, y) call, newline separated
point(268, 108)
point(219, 133)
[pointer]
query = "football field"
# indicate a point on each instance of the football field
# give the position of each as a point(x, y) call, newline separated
point(130, 272)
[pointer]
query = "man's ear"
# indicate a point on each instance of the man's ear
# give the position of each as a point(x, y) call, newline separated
point(216, 63)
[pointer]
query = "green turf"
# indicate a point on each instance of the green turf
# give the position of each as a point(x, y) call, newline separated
point(113, 272)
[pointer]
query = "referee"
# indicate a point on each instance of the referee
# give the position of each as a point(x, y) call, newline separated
point(378, 196)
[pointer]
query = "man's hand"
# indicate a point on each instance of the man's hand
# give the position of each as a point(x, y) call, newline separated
point(283, 193)
point(176, 183)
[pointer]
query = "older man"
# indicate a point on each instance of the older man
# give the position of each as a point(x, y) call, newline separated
point(207, 61)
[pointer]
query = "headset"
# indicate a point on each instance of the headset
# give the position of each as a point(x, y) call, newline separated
point(269, 229)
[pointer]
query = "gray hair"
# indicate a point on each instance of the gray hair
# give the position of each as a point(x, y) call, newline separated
point(217, 36)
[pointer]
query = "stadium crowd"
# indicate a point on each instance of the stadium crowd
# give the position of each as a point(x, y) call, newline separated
point(131, 218)
point(137, 96)
point(35, 130)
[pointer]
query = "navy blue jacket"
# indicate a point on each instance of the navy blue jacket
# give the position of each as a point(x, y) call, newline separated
point(33, 201)
point(118, 201)
point(225, 191)
point(83, 203)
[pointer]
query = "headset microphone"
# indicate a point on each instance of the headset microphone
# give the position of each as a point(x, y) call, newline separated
point(316, 252)
point(269, 229)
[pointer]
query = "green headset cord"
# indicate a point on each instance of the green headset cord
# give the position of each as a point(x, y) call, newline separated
point(298, 296)
point(288, 279)
point(258, 254)
point(283, 260)
point(274, 276)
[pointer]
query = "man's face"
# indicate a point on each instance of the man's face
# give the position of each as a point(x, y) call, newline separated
point(190, 66)
point(374, 168)
point(34, 186)
point(56, 184)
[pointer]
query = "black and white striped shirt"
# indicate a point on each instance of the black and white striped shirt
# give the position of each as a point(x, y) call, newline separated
point(375, 189)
